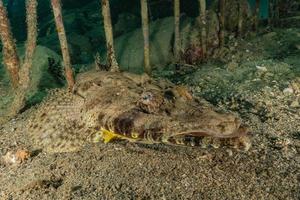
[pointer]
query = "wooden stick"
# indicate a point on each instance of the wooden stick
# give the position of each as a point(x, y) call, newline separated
point(10, 55)
point(256, 15)
point(222, 22)
point(177, 30)
point(56, 6)
point(240, 18)
point(24, 72)
point(145, 26)
point(202, 18)
point(31, 19)
point(111, 57)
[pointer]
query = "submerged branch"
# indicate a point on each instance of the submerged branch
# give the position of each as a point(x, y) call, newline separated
point(111, 57)
point(202, 19)
point(145, 25)
point(10, 56)
point(56, 6)
point(222, 22)
point(177, 29)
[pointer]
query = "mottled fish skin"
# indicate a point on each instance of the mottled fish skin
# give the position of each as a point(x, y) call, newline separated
point(131, 108)
point(56, 125)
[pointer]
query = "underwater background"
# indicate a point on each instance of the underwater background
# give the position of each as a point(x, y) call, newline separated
point(255, 75)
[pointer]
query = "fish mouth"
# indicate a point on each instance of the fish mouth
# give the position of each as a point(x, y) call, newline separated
point(240, 131)
point(207, 139)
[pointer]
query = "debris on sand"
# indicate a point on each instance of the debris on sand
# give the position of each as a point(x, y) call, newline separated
point(16, 158)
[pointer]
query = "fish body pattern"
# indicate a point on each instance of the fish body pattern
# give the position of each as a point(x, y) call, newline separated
point(111, 105)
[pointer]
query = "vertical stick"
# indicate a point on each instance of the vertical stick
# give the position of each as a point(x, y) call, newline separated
point(177, 29)
point(112, 62)
point(240, 18)
point(24, 72)
point(256, 15)
point(10, 56)
point(31, 19)
point(202, 17)
point(276, 12)
point(222, 22)
point(56, 6)
point(271, 11)
point(145, 25)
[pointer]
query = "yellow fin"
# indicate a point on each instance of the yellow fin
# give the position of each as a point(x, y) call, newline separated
point(108, 135)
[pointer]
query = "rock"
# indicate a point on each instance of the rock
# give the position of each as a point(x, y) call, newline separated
point(269, 36)
point(295, 104)
point(82, 51)
point(232, 66)
point(190, 36)
point(46, 72)
point(128, 46)
point(231, 15)
point(126, 22)
point(264, 69)
point(15, 158)
point(295, 85)
point(288, 91)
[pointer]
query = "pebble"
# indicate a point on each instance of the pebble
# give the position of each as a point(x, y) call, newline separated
point(18, 157)
point(288, 91)
point(264, 69)
point(295, 104)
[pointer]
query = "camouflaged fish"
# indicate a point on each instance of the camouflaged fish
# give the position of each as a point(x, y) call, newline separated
point(111, 105)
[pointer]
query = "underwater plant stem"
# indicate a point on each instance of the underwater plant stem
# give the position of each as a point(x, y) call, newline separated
point(10, 55)
point(202, 18)
point(276, 12)
point(111, 57)
point(240, 18)
point(24, 71)
point(31, 19)
point(145, 26)
point(56, 7)
point(271, 13)
point(256, 15)
point(222, 22)
point(177, 30)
